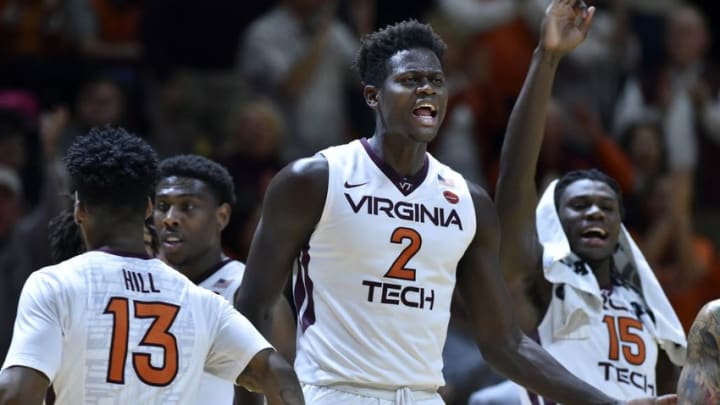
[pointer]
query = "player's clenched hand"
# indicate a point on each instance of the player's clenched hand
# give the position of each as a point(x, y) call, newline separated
point(663, 400)
point(565, 25)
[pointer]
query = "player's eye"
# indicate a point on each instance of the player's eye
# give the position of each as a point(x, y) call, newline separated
point(162, 207)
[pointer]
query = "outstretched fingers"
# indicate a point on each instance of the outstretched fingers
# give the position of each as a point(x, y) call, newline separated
point(586, 20)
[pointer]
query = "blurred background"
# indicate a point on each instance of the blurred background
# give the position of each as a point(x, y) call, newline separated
point(255, 84)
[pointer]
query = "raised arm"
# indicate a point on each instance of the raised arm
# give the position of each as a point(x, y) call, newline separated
point(516, 195)
point(499, 338)
point(292, 207)
point(700, 378)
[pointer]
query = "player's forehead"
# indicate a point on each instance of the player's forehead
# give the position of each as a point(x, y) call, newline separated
point(178, 186)
point(414, 60)
point(588, 188)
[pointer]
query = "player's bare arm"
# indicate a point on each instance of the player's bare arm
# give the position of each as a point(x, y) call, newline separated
point(700, 379)
point(292, 207)
point(516, 195)
point(270, 374)
point(22, 386)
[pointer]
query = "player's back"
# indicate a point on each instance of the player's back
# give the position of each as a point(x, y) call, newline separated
point(133, 331)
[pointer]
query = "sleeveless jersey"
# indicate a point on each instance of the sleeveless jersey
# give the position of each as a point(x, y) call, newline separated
point(111, 329)
point(224, 282)
point(373, 286)
point(618, 354)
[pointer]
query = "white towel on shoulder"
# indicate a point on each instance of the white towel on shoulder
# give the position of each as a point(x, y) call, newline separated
point(583, 298)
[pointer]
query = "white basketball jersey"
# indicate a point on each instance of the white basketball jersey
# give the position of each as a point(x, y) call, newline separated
point(618, 355)
point(224, 281)
point(111, 329)
point(373, 286)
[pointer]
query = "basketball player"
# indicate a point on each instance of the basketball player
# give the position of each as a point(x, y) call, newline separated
point(112, 325)
point(586, 306)
point(700, 378)
point(193, 204)
point(379, 232)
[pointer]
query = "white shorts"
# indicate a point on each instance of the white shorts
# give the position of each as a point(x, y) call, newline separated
point(346, 395)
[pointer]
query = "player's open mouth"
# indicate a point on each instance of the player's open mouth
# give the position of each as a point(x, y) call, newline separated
point(425, 113)
point(594, 236)
point(172, 242)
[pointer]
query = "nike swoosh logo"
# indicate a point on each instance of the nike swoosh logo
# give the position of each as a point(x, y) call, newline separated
point(348, 185)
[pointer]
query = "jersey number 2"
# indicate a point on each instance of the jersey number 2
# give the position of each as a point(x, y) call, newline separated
point(398, 269)
point(158, 335)
point(621, 334)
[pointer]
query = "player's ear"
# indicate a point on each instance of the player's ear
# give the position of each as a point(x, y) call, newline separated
point(149, 208)
point(79, 210)
point(222, 215)
point(371, 94)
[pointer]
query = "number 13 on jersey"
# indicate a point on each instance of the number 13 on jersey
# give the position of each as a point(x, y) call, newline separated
point(158, 335)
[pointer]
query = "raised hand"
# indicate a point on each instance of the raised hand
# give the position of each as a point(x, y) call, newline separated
point(565, 25)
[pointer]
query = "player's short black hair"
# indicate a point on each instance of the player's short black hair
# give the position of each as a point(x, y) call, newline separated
point(112, 168)
point(65, 237)
point(379, 46)
point(589, 174)
point(197, 167)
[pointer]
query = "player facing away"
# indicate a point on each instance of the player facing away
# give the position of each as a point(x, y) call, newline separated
point(700, 378)
point(599, 308)
point(377, 234)
point(114, 326)
point(193, 203)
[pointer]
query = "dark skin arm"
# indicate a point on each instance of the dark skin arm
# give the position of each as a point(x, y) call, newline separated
point(499, 338)
point(270, 374)
point(22, 386)
point(292, 207)
point(700, 378)
point(516, 195)
point(283, 339)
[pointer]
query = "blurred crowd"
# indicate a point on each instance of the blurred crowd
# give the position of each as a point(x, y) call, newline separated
point(256, 84)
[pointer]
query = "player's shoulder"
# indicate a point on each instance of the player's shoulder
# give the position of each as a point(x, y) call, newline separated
point(710, 312)
point(232, 267)
point(301, 177)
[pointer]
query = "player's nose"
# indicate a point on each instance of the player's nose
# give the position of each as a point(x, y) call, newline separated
point(170, 219)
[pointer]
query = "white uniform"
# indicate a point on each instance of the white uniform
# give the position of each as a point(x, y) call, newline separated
point(111, 329)
point(617, 356)
point(373, 287)
point(223, 281)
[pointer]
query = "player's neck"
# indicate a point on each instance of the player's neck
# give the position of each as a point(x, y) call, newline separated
point(114, 234)
point(119, 243)
point(202, 264)
point(405, 157)
point(603, 271)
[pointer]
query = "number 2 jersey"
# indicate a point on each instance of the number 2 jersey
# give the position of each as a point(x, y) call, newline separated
point(374, 284)
point(112, 329)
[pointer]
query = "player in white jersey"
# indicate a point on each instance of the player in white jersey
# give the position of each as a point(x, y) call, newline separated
point(379, 234)
point(115, 326)
point(614, 344)
point(193, 204)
